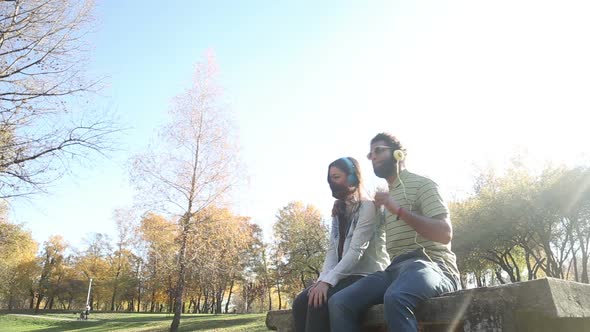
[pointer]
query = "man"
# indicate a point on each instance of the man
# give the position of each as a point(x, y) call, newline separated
point(419, 234)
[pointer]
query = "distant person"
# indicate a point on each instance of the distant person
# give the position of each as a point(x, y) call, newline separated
point(356, 247)
point(87, 311)
point(419, 237)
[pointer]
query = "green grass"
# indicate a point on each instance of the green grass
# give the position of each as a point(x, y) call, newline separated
point(144, 322)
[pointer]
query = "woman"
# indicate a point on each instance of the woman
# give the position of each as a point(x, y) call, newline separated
point(356, 248)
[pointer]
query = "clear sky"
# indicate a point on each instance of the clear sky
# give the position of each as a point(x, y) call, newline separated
point(461, 83)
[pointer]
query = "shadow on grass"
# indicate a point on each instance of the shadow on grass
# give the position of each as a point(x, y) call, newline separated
point(189, 325)
point(103, 325)
point(87, 326)
point(101, 322)
point(135, 319)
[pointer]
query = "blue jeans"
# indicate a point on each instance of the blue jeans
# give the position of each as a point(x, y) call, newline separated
point(409, 279)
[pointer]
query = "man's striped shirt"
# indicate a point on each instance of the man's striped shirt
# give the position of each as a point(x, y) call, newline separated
point(419, 195)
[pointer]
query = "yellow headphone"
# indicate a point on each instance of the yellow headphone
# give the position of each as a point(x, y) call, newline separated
point(399, 155)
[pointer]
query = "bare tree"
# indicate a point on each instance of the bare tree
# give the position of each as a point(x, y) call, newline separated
point(193, 164)
point(42, 88)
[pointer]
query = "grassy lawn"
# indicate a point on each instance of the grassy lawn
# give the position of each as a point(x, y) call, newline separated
point(97, 322)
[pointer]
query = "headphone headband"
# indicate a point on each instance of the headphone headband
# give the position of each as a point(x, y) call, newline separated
point(349, 163)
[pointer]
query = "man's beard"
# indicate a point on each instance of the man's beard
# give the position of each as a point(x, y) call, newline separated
point(386, 169)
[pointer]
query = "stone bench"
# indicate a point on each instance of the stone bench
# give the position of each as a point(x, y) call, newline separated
point(538, 305)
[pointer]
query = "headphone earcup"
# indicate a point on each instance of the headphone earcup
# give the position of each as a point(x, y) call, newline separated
point(352, 179)
point(399, 155)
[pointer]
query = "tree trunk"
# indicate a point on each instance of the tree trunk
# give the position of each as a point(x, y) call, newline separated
point(153, 300)
point(552, 269)
point(499, 276)
point(138, 296)
point(584, 248)
point(477, 276)
point(463, 280)
point(279, 293)
point(216, 302)
point(231, 286)
point(113, 296)
point(32, 302)
point(191, 305)
point(219, 299)
point(515, 267)
point(205, 306)
point(10, 301)
point(39, 299)
point(267, 283)
point(527, 258)
point(302, 279)
point(269, 289)
point(575, 266)
point(246, 294)
point(171, 294)
point(116, 281)
point(180, 285)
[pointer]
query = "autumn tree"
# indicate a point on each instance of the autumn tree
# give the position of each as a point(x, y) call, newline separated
point(255, 279)
point(567, 198)
point(262, 268)
point(158, 250)
point(71, 289)
point(193, 164)
point(123, 261)
point(45, 115)
point(301, 240)
point(221, 249)
point(51, 260)
point(523, 224)
point(92, 262)
point(18, 264)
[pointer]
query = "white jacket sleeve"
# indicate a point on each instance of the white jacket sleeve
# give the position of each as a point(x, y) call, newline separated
point(361, 237)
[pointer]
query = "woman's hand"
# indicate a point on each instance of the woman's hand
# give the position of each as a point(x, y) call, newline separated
point(318, 294)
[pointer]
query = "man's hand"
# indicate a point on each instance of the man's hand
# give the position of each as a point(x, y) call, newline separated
point(318, 294)
point(383, 198)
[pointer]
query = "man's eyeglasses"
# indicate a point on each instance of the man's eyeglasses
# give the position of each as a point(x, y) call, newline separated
point(377, 150)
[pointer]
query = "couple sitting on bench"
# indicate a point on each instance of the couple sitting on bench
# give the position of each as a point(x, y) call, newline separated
point(414, 230)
